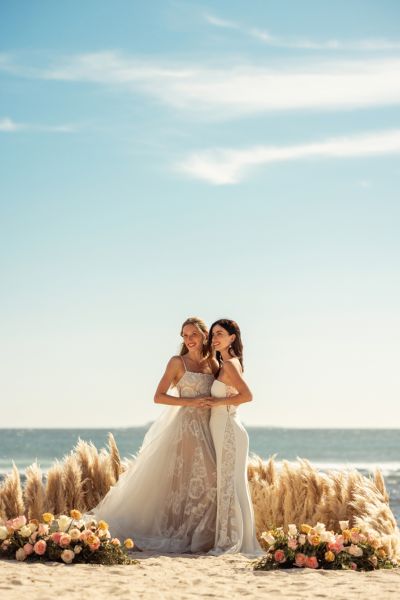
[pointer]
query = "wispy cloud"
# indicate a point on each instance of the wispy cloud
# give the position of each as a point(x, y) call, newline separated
point(235, 90)
point(303, 43)
point(10, 126)
point(230, 166)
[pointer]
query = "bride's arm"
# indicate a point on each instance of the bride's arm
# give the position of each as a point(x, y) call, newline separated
point(233, 377)
point(173, 373)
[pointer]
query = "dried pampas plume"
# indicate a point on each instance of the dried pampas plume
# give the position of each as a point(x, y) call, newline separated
point(299, 493)
point(34, 495)
point(55, 499)
point(11, 494)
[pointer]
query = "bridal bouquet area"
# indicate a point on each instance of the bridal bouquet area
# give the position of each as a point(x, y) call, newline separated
point(304, 517)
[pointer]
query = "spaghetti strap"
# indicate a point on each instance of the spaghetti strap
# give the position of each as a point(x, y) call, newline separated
point(184, 364)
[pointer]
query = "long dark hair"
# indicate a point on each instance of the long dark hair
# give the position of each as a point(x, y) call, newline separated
point(236, 348)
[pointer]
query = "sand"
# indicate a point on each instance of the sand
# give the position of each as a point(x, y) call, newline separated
point(188, 577)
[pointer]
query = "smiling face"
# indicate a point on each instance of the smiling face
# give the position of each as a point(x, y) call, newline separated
point(193, 338)
point(220, 338)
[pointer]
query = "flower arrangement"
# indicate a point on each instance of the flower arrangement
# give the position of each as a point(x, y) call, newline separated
point(317, 548)
point(66, 538)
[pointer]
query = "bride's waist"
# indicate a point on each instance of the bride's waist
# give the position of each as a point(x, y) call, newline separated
point(223, 410)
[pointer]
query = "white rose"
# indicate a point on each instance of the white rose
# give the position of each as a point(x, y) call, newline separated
point(64, 522)
point(75, 534)
point(302, 539)
point(343, 525)
point(77, 549)
point(268, 538)
point(32, 527)
point(25, 531)
point(355, 550)
point(20, 554)
point(3, 533)
point(292, 529)
point(319, 527)
point(67, 556)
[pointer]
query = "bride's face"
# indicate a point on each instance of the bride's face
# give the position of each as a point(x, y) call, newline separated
point(220, 339)
point(193, 338)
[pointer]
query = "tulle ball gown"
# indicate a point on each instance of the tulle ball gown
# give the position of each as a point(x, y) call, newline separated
point(166, 499)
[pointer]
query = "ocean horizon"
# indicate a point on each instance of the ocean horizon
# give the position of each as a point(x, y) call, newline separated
point(363, 449)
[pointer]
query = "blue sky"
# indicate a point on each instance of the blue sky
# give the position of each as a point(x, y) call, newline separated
point(214, 159)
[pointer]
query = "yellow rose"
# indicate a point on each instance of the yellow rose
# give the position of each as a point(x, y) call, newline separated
point(75, 514)
point(102, 525)
point(329, 556)
point(346, 535)
point(47, 517)
point(304, 528)
point(314, 539)
point(128, 543)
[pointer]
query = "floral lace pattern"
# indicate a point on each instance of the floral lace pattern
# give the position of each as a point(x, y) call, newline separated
point(190, 505)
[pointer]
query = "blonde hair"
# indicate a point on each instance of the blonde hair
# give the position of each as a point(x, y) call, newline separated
point(202, 327)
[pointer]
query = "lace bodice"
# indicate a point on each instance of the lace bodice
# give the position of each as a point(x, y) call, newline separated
point(193, 384)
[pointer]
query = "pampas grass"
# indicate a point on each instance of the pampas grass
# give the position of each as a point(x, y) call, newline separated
point(299, 493)
point(296, 492)
point(11, 494)
point(55, 499)
point(34, 495)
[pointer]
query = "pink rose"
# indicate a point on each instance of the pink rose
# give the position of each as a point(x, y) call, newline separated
point(279, 556)
point(28, 549)
point(5, 545)
point(355, 537)
point(292, 543)
point(56, 536)
point(40, 547)
point(312, 562)
point(65, 540)
point(84, 534)
point(34, 536)
point(19, 522)
point(335, 547)
point(300, 559)
point(353, 566)
point(43, 529)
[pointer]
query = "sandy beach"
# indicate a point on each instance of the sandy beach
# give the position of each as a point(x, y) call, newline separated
point(187, 577)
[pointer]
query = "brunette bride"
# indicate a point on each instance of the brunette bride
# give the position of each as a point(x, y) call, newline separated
point(235, 529)
point(166, 499)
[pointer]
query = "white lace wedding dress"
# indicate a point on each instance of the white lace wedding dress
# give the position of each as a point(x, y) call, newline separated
point(166, 499)
point(235, 528)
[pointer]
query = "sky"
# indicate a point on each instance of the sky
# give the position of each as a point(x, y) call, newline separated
point(219, 159)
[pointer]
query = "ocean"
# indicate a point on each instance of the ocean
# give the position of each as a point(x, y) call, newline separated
point(363, 449)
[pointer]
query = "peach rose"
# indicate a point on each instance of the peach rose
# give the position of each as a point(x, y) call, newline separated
point(300, 559)
point(28, 548)
point(68, 556)
point(95, 545)
point(65, 540)
point(115, 542)
point(279, 556)
point(40, 547)
point(312, 562)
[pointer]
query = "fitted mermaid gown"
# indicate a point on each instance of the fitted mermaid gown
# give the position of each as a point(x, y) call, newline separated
point(235, 527)
point(166, 499)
